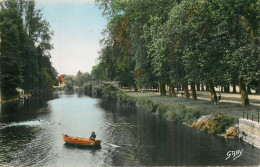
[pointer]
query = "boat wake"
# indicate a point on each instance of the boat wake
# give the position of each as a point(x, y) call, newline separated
point(25, 123)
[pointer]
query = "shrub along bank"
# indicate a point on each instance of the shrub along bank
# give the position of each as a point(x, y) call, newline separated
point(179, 113)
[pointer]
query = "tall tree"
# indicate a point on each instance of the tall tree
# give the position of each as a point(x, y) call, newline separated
point(25, 47)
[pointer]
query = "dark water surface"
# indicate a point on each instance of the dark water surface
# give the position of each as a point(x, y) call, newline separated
point(31, 135)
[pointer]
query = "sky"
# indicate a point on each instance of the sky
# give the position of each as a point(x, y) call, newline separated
point(77, 26)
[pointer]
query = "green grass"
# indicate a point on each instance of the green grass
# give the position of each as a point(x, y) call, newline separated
point(180, 113)
point(229, 109)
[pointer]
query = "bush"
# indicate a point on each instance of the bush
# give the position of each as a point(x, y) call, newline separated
point(146, 104)
point(223, 123)
point(169, 112)
point(192, 115)
point(180, 113)
point(111, 90)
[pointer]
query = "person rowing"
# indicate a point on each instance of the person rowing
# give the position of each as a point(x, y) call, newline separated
point(93, 136)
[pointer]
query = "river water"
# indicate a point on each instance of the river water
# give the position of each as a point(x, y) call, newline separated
point(31, 135)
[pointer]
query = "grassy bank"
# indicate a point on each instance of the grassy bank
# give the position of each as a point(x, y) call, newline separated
point(8, 99)
point(26, 95)
point(230, 104)
point(180, 113)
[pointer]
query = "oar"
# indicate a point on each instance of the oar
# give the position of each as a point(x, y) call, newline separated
point(113, 145)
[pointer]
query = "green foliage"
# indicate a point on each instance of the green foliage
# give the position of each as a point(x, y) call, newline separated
point(25, 46)
point(98, 72)
point(70, 80)
point(82, 78)
point(107, 65)
point(223, 123)
point(147, 105)
point(181, 41)
point(9, 78)
point(180, 113)
point(110, 90)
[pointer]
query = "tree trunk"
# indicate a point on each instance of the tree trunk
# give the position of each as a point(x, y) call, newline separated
point(162, 89)
point(136, 89)
point(182, 87)
point(227, 88)
point(249, 90)
point(243, 92)
point(186, 90)
point(171, 90)
point(193, 90)
point(159, 85)
point(198, 86)
point(213, 96)
point(178, 88)
point(170, 93)
point(258, 84)
point(234, 87)
point(130, 85)
point(207, 87)
point(258, 87)
point(202, 87)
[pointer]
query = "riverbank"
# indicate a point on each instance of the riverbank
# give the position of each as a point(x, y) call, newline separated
point(9, 99)
point(230, 104)
point(24, 96)
point(14, 98)
point(174, 109)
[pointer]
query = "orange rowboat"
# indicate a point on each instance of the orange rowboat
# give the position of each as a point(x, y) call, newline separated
point(81, 141)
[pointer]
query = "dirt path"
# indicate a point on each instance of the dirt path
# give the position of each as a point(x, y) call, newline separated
point(230, 98)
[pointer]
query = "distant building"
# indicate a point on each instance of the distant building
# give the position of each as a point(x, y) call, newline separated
point(62, 79)
point(62, 83)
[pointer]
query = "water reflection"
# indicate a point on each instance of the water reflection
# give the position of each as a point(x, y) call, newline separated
point(70, 146)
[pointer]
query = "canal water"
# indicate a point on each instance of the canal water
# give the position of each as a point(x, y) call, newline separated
point(31, 135)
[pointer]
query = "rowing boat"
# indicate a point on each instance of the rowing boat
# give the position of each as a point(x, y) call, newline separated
point(81, 141)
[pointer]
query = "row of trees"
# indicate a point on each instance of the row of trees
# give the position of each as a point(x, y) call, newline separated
point(78, 80)
point(25, 45)
point(181, 42)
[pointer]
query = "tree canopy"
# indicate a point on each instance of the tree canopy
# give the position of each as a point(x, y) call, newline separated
point(25, 45)
point(178, 42)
